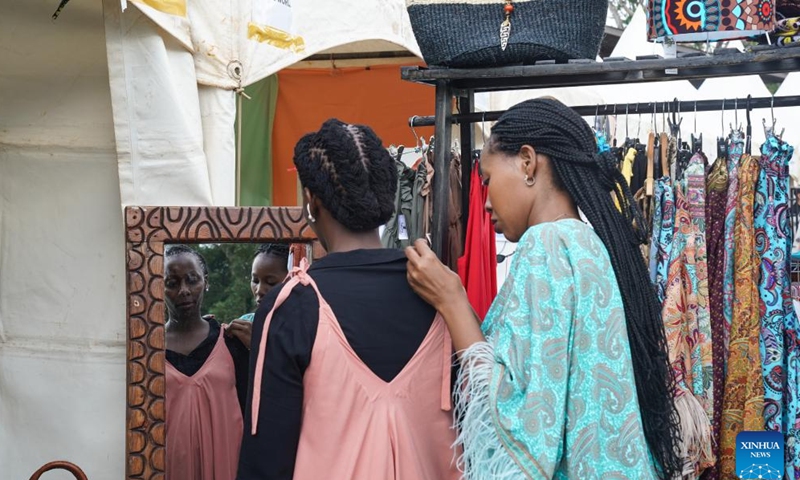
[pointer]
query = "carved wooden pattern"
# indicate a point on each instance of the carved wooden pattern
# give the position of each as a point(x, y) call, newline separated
point(60, 465)
point(147, 230)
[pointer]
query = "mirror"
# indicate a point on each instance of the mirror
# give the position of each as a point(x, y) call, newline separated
point(187, 262)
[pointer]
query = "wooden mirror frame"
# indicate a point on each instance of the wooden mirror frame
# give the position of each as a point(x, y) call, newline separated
point(147, 230)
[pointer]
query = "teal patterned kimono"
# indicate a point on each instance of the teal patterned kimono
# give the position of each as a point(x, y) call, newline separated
point(551, 393)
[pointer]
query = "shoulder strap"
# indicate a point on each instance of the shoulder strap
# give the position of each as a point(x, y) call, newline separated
point(447, 368)
point(298, 276)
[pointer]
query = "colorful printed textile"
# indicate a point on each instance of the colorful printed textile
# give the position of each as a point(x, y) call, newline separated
point(716, 199)
point(686, 318)
point(551, 394)
point(743, 404)
point(664, 229)
point(735, 151)
point(703, 20)
point(779, 341)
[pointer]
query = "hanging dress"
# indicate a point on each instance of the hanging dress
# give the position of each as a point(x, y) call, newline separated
point(687, 320)
point(664, 226)
point(357, 426)
point(716, 199)
point(204, 427)
point(779, 342)
point(743, 402)
point(735, 151)
point(478, 266)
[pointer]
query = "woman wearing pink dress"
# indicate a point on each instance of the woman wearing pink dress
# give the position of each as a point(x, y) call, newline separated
point(350, 368)
point(206, 374)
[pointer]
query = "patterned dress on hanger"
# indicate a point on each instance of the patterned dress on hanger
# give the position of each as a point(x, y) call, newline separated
point(663, 233)
point(743, 402)
point(735, 151)
point(779, 341)
point(716, 199)
point(687, 319)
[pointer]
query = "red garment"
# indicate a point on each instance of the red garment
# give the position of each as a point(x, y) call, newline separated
point(478, 266)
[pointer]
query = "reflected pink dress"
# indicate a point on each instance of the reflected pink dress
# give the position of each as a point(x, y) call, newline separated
point(204, 420)
point(358, 427)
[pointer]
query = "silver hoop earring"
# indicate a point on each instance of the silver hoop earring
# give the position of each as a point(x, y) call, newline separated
point(310, 217)
point(530, 181)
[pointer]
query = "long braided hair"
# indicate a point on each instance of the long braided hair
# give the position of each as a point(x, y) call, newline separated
point(555, 130)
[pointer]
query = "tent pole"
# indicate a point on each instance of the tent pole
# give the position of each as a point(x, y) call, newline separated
point(441, 166)
point(466, 104)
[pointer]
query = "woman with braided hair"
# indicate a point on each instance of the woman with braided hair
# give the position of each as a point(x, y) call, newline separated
point(350, 369)
point(568, 376)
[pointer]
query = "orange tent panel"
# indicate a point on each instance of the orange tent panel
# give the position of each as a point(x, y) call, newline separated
point(374, 96)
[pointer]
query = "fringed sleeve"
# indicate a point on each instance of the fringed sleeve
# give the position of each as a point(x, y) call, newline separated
point(484, 456)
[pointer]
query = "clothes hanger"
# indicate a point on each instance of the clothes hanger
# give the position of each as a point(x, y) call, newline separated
point(419, 142)
point(722, 143)
point(749, 135)
point(696, 140)
point(665, 143)
point(649, 185)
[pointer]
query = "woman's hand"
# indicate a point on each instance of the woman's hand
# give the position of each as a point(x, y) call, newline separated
point(441, 287)
point(241, 329)
point(430, 279)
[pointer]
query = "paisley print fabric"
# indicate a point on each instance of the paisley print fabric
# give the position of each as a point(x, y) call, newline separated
point(735, 151)
point(743, 403)
point(687, 319)
point(561, 390)
point(716, 199)
point(686, 312)
point(664, 227)
point(779, 341)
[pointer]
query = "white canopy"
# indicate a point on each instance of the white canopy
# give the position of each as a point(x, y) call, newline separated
point(100, 109)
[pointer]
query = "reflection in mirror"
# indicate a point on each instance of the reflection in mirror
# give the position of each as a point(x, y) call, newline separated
point(210, 293)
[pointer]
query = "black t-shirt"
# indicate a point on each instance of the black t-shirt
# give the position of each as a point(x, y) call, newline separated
point(190, 364)
point(382, 318)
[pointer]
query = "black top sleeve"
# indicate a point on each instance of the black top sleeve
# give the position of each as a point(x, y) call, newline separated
point(241, 366)
point(270, 454)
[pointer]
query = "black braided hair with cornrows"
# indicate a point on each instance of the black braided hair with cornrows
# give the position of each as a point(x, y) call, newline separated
point(555, 130)
point(280, 250)
point(175, 250)
point(353, 175)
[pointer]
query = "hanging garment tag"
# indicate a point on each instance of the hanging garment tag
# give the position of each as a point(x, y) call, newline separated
point(402, 228)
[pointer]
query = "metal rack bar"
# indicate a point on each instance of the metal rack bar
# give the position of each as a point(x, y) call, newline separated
point(441, 164)
point(465, 104)
point(635, 108)
point(725, 63)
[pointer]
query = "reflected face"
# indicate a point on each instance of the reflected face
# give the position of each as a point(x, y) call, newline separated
point(184, 284)
point(268, 271)
point(508, 200)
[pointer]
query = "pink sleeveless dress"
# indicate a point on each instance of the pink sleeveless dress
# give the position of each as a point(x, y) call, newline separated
point(204, 420)
point(359, 427)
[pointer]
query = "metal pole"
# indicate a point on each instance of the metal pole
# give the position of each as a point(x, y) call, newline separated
point(467, 146)
point(654, 107)
point(441, 166)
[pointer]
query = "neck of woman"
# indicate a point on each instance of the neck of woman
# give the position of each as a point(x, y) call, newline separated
point(184, 325)
point(345, 241)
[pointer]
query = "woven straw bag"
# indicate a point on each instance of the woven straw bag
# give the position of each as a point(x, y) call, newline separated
point(467, 33)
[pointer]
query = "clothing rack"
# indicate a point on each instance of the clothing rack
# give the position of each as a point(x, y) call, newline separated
point(462, 84)
point(675, 106)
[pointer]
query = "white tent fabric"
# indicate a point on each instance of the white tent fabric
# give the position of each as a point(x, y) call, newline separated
point(263, 37)
point(111, 108)
point(159, 121)
point(62, 274)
